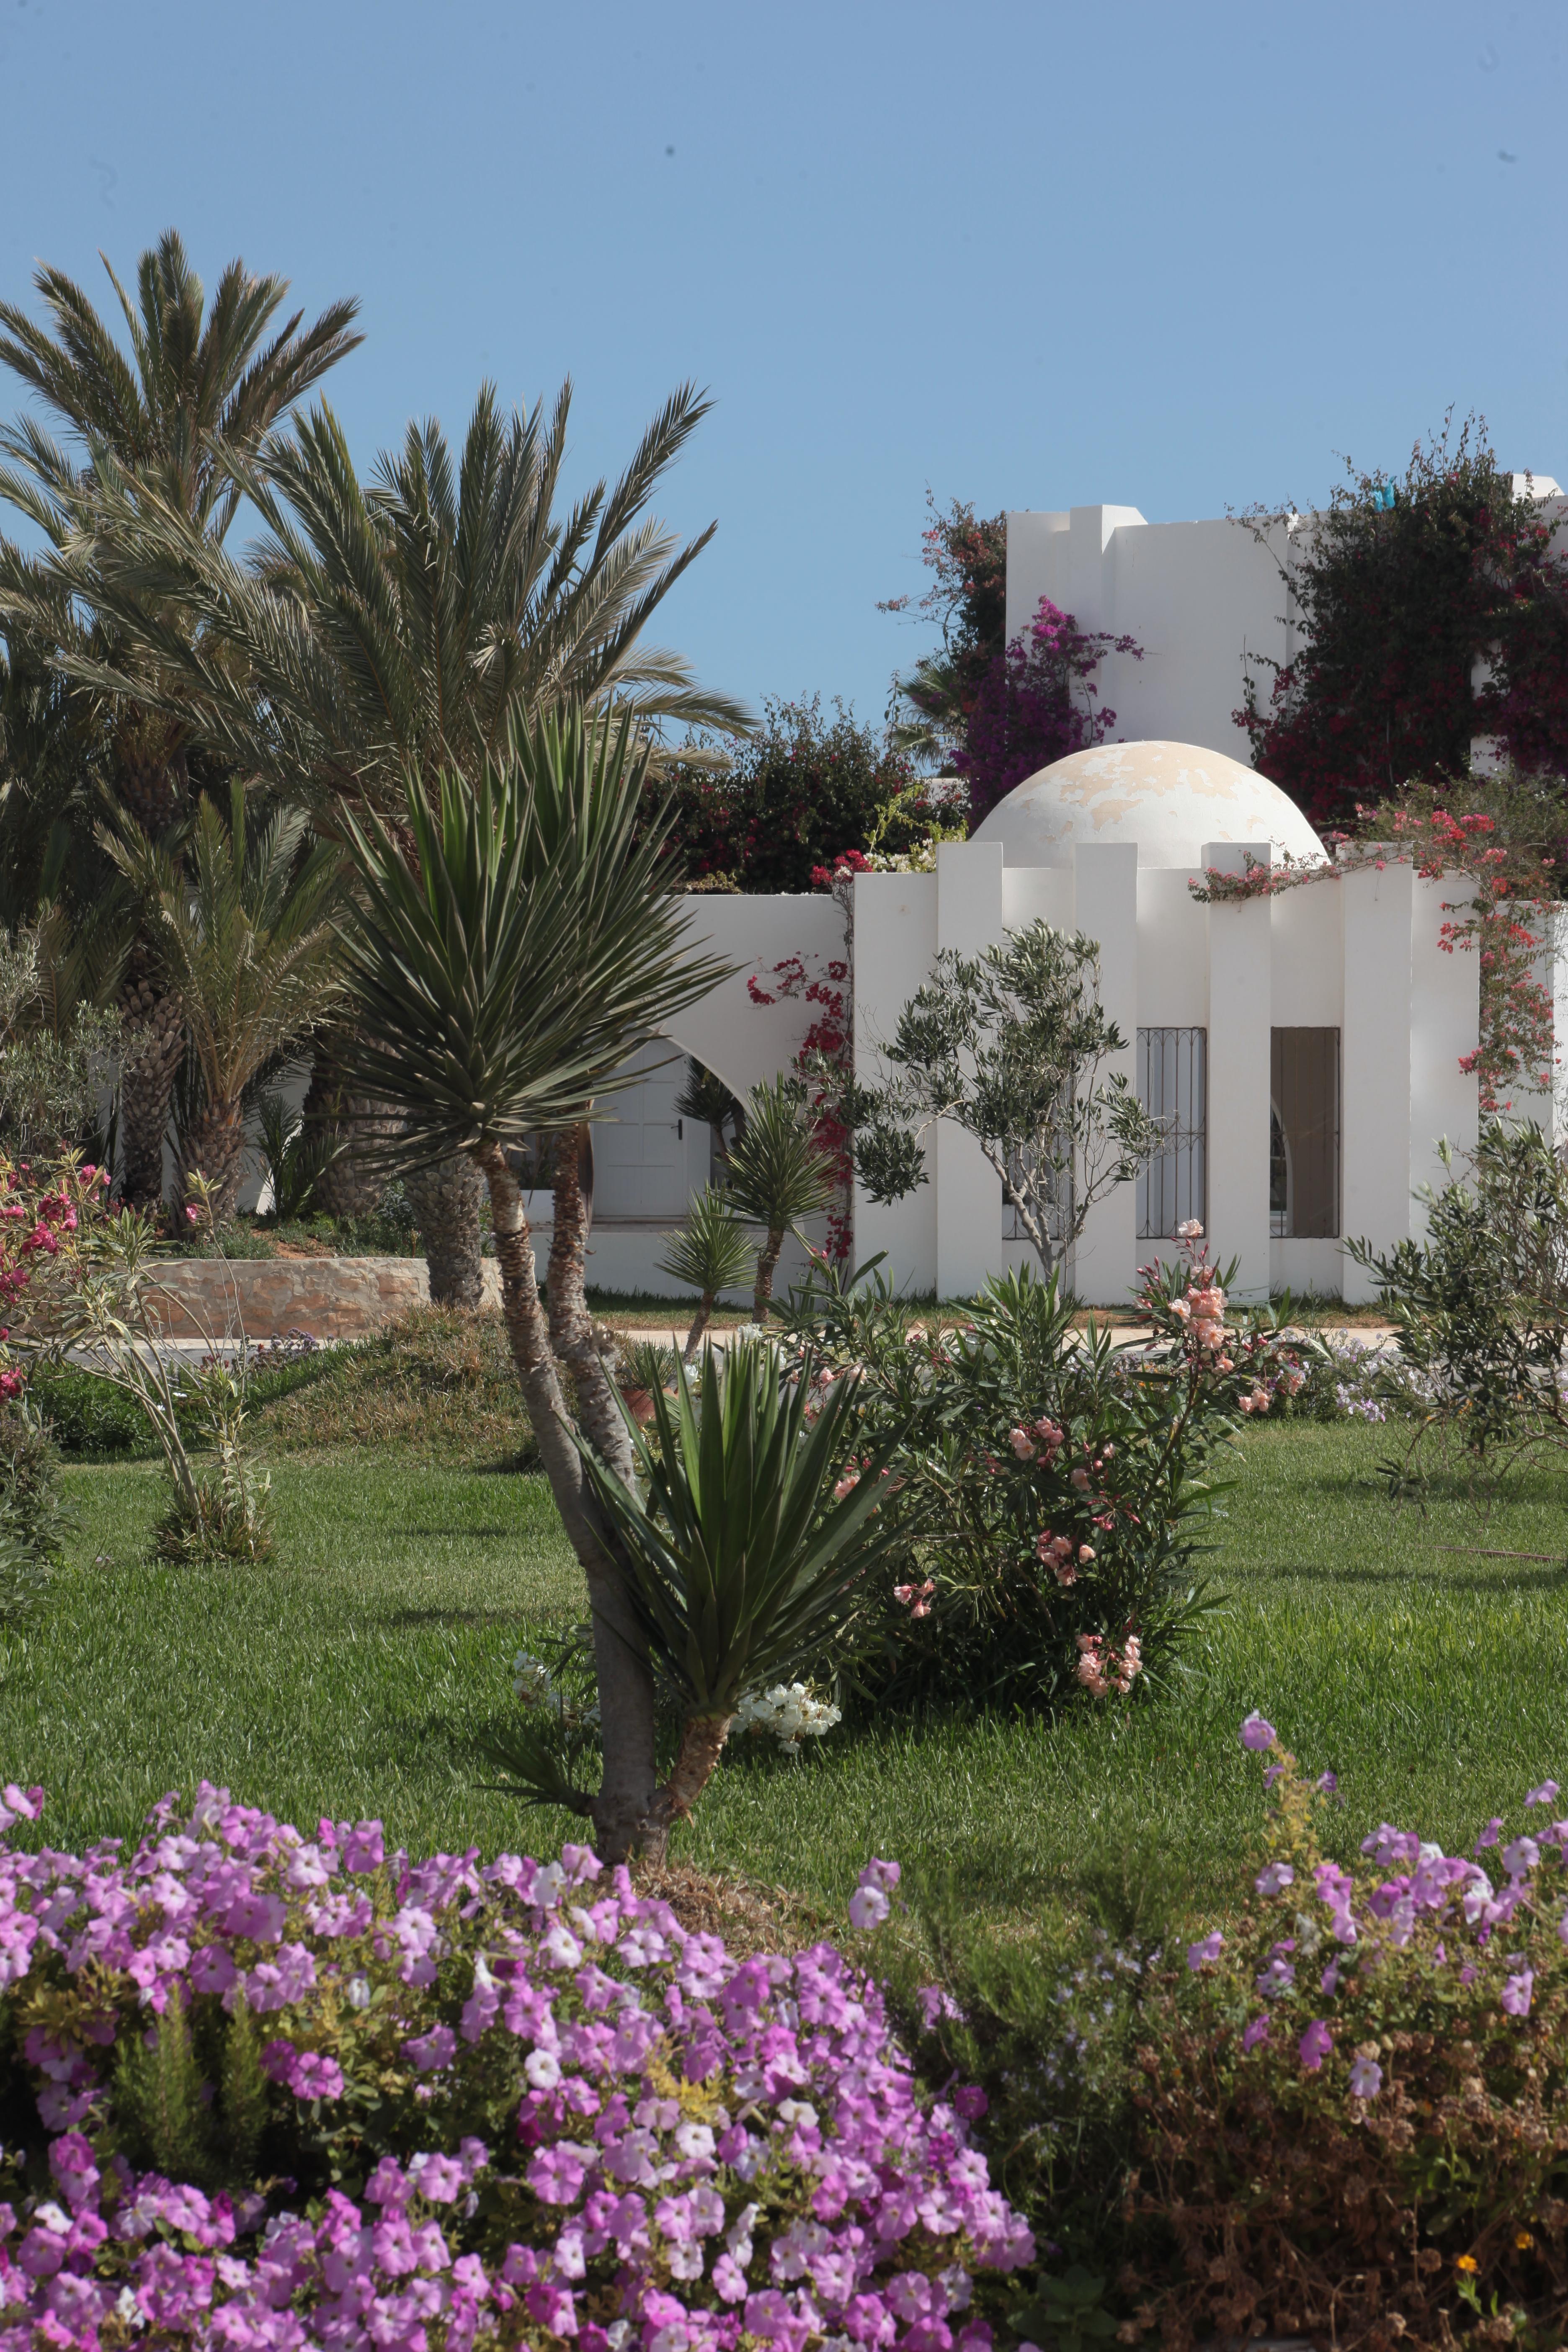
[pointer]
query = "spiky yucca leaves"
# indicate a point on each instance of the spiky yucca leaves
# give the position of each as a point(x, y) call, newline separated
point(757, 1525)
point(777, 1173)
point(711, 1252)
point(502, 969)
point(247, 940)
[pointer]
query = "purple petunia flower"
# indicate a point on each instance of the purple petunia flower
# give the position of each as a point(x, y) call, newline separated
point(1315, 2045)
point(1258, 1734)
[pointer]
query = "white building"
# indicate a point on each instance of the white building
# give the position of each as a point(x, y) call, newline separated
point(1305, 1046)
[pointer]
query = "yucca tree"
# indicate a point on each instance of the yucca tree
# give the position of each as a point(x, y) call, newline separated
point(406, 624)
point(512, 945)
point(777, 1174)
point(711, 1252)
point(245, 933)
point(743, 1536)
point(158, 424)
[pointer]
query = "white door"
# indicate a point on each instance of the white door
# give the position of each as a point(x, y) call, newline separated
point(640, 1151)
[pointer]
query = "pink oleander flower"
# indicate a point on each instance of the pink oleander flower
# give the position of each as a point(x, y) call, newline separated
point(1022, 1445)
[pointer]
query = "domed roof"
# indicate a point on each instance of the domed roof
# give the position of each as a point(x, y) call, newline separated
point(1170, 798)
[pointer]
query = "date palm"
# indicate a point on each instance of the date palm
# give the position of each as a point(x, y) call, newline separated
point(512, 946)
point(406, 624)
point(245, 932)
point(159, 422)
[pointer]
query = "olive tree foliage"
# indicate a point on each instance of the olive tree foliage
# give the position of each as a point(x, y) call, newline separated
point(1012, 1047)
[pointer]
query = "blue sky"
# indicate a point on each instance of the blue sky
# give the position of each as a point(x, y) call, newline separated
point(1031, 255)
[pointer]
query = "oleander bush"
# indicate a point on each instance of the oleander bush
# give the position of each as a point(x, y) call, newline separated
point(266, 2089)
point(1050, 1487)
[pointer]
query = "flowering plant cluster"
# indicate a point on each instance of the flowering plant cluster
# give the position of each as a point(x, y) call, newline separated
point(296, 2091)
point(1200, 1338)
point(825, 1058)
point(1405, 590)
point(1036, 704)
point(1512, 886)
point(790, 1711)
point(1048, 1487)
point(1356, 2100)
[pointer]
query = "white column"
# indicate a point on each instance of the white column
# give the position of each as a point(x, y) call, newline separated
point(1375, 1054)
point(1105, 906)
point(968, 1189)
point(1239, 1034)
point(1445, 1025)
point(895, 939)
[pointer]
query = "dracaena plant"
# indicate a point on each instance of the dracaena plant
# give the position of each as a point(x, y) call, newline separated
point(752, 1518)
point(514, 945)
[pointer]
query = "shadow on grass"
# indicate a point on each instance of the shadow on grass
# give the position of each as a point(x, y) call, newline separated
point(1522, 1577)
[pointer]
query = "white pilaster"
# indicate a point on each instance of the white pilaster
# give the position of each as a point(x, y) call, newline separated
point(1376, 1121)
point(1105, 906)
point(1240, 1022)
point(1445, 1025)
point(895, 940)
point(968, 1189)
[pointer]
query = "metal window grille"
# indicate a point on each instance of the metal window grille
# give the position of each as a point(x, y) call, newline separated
point(1304, 1134)
point(1173, 1087)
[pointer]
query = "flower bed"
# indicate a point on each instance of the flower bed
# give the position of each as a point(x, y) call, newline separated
point(272, 2090)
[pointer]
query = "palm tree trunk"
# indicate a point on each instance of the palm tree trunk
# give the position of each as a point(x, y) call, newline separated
point(155, 1034)
point(701, 1745)
point(571, 1326)
point(446, 1202)
point(214, 1148)
point(355, 1181)
point(631, 1812)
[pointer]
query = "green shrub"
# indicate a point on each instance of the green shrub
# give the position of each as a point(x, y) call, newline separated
point(1051, 1485)
point(436, 1382)
point(33, 1520)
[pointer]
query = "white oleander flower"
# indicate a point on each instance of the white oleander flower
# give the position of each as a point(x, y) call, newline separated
point(790, 1711)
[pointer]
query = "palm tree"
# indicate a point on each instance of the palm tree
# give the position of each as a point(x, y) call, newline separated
point(411, 625)
point(164, 425)
point(777, 1174)
point(514, 945)
point(246, 942)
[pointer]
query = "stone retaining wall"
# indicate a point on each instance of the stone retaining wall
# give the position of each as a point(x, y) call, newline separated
point(331, 1298)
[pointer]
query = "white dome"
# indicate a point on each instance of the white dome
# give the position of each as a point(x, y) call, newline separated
point(1170, 798)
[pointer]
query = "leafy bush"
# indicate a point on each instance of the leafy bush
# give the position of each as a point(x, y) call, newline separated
point(275, 2091)
point(1481, 1302)
point(32, 1517)
point(798, 791)
point(1049, 1488)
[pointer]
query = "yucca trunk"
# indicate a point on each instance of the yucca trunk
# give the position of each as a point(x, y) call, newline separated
point(214, 1147)
point(155, 1044)
point(701, 1745)
point(700, 1323)
point(631, 1812)
point(572, 1335)
point(445, 1200)
point(767, 1265)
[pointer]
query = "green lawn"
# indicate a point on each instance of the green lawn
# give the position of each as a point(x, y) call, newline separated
point(353, 1675)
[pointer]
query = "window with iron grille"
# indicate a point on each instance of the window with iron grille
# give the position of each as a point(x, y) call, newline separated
point(1173, 1087)
point(1304, 1134)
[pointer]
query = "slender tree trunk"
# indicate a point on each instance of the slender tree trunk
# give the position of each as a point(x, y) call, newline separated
point(214, 1148)
point(698, 1325)
point(767, 1263)
point(631, 1812)
point(599, 1414)
point(446, 1203)
point(701, 1745)
point(155, 1034)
